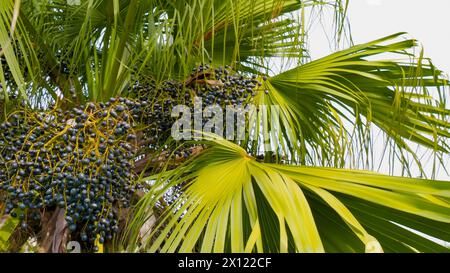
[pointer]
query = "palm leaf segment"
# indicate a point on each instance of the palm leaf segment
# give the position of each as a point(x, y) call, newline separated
point(323, 100)
point(234, 203)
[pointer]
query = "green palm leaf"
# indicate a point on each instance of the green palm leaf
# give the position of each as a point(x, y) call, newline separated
point(7, 228)
point(96, 47)
point(328, 110)
point(230, 201)
point(323, 100)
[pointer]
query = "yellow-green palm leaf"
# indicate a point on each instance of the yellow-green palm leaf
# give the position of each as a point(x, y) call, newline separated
point(233, 203)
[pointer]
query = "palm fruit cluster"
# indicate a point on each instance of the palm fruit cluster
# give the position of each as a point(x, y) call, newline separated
point(6, 71)
point(80, 160)
point(215, 86)
point(220, 86)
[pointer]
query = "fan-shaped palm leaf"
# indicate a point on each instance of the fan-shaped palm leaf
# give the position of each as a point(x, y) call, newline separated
point(233, 203)
point(320, 102)
point(92, 49)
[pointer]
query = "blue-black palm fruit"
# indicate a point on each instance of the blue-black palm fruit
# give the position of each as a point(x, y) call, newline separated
point(80, 160)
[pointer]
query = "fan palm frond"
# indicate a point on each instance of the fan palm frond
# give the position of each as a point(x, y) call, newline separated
point(321, 101)
point(232, 203)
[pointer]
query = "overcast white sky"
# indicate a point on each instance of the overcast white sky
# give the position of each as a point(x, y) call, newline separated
point(425, 20)
point(428, 21)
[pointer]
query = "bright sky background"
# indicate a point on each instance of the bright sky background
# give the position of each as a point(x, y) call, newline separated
point(428, 21)
point(425, 20)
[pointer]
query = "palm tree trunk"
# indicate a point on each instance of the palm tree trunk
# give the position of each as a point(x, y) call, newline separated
point(54, 233)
